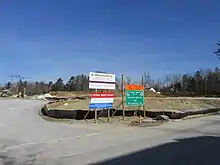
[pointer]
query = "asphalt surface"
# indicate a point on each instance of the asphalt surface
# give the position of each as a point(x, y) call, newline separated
point(26, 138)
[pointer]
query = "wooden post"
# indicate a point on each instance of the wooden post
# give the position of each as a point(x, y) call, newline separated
point(122, 96)
point(108, 116)
point(95, 115)
point(96, 90)
point(108, 119)
point(142, 80)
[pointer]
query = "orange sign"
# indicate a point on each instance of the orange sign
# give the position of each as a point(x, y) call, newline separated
point(134, 87)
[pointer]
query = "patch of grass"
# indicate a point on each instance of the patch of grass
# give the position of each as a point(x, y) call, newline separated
point(150, 104)
point(60, 104)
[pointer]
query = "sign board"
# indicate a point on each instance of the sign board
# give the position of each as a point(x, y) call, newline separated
point(101, 100)
point(101, 81)
point(134, 97)
point(134, 87)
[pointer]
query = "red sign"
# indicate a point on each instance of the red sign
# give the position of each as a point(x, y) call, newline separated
point(102, 95)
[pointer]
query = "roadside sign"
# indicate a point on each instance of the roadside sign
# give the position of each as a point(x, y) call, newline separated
point(101, 80)
point(134, 87)
point(134, 97)
point(101, 100)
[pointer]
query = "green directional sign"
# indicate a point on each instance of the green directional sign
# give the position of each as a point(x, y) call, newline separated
point(134, 97)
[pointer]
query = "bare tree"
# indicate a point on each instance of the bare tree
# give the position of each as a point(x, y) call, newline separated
point(147, 79)
point(167, 81)
point(128, 79)
point(176, 78)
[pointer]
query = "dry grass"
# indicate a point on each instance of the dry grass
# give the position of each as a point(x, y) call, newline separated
point(155, 104)
point(84, 94)
point(69, 94)
point(56, 105)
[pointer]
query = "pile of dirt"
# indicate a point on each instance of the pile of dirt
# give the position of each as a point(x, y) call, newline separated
point(156, 104)
point(69, 94)
point(87, 94)
point(152, 94)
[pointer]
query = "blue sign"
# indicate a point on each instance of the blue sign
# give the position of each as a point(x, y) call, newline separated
point(100, 105)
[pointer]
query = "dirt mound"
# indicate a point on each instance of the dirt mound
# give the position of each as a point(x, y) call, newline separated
point(69, 94)
point(87, 94)
point(156, 104)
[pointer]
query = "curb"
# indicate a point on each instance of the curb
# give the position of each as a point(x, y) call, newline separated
point(198, 116)
point(51, 119)
point(70, 115)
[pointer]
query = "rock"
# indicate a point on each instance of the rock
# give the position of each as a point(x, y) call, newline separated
point(47, 95)
point(147, 120)
point(41, 97)
point(162, 117)
point(141, 119)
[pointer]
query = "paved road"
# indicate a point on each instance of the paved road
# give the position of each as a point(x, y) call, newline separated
point(25, 138)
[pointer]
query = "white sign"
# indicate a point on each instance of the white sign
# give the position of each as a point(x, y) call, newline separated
point(101, 81)
point(102, 100)
point(94, 85)
point(101, 77)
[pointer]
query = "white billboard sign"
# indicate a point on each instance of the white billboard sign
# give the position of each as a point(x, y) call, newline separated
point(101, 81)
point(101, 77)
point(94, 85)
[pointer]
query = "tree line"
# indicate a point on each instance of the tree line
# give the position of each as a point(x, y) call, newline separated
point(203, 82)
point(75, 83)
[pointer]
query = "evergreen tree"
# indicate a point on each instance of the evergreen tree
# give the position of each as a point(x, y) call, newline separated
point(59, 85)
point(8, 85)
point(37, 88)
point(50, 86)
point(71, 84)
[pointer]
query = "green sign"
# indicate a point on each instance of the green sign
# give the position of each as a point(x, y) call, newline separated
point(134, 97)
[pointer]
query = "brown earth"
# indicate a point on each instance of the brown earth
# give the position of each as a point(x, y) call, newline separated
point(69, 94)
point(86, 94)
point(153, 104)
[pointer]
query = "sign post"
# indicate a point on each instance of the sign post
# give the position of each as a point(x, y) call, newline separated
point(142, 81)
point(122, 96)
point(134, 95)
point(95, 115)
point(108, 116)
point(101, 81)
point(135, 98)
point(101, 100)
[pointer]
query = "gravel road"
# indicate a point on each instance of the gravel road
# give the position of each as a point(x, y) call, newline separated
point(26, 138)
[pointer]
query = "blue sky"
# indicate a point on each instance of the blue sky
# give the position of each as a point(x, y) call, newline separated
point(119, 36)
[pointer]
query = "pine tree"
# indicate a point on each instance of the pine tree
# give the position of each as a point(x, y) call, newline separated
point(8, 85)
point(59, 85)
